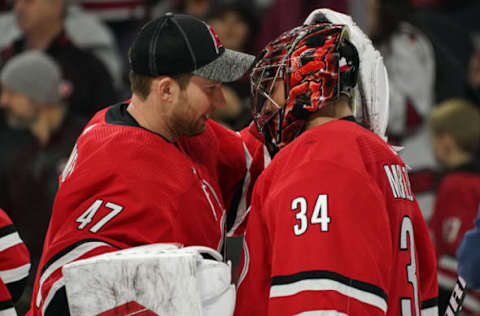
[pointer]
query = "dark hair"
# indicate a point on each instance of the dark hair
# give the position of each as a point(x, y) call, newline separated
point(140, 84)
point(245, 9)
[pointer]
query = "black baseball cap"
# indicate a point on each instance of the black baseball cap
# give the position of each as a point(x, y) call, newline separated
point(177, 43)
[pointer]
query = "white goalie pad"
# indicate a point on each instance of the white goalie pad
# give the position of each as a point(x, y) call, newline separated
point(372, 91)
point(158, 279)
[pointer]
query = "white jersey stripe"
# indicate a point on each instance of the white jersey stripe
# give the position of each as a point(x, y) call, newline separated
point(321, 313)
point(472, 303)
point(242, 205)
point(9, 241)
point(266, 157)
point(68, 257)
point(8, 312)
point(328, 285)
point(446, 281)
point(448, 263)
point(51, 293)
point(16, 274)
point(431, 311)
point(246, 263)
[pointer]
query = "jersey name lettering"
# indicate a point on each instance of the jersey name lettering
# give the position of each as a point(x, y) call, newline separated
point(399, 182)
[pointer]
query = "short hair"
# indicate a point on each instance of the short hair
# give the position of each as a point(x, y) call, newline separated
point(461, 120)
point(140, 84)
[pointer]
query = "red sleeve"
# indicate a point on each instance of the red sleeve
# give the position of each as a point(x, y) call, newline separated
point(311, 246)
point(257, 158)
point(14, 257)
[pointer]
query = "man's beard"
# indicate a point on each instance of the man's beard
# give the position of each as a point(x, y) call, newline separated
point(184, 121)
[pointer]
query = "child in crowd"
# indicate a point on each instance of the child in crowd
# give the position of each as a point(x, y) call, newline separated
point(455, 127)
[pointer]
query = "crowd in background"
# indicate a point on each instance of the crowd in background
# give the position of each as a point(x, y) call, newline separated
point(431, 49)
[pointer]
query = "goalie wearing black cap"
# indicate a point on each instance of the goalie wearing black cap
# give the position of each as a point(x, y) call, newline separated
point(155, 169)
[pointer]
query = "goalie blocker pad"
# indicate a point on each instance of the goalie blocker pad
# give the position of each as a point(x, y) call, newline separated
point(158, 279)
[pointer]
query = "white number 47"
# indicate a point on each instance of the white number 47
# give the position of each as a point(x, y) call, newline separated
point(88, 215)
point(319, 215)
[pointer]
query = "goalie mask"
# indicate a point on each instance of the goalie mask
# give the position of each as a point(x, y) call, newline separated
point(314, 64)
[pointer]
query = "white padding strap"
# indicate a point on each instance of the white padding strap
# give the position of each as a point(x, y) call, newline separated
point(372, 91)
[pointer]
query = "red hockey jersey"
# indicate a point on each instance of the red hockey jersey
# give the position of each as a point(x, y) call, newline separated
point(335, 227)
point(14, 265)
point(456, 205)
point(125, 186)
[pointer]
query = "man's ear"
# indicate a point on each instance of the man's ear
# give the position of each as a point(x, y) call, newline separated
point(165, 88)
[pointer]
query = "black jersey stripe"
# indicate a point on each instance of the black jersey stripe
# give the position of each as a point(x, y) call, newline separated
point(429, 303)
point(7, 230)
point(67, 249)
point(5, 305)
point(324, 274)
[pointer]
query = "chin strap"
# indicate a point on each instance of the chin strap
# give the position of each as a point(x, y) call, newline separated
point(371, 92)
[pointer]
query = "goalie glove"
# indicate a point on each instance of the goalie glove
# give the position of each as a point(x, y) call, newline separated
point(158, 279)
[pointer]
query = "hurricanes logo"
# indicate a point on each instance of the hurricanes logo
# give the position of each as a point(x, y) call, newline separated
point(215, 39)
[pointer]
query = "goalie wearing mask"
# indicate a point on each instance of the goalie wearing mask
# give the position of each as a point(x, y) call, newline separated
point(334, 228)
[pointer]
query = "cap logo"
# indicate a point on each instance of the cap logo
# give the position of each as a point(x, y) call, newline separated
point(215, 39)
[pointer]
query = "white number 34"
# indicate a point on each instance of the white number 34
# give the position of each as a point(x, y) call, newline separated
point(88, 215)
point(319, 214)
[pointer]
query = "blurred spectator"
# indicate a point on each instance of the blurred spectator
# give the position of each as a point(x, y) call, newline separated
point(410, 62)
point(31, 98)
point(473, 89)
point(124, 18)
point(455, 126)
point(84, 30)
point(282, 15)
point(5, 5)
point(452, 47)
point(454, 28)
point(115, 11)
point(42, 26)
point(14, 265)
point(198, 8)
point(235, 24)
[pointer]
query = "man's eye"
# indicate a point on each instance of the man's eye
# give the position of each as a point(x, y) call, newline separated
point(211, 90)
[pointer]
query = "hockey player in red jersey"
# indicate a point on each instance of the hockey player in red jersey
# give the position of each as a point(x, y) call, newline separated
point(155, 169)
point(334, 228)
point(14, 265)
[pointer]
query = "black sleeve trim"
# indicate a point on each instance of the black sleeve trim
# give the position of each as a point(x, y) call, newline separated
point(59, 304)
point(16, 288)
point(323, 274)
point(429, 303)
point(232, 211)
point(6, 305)
point(69, 248)
point(7, 230)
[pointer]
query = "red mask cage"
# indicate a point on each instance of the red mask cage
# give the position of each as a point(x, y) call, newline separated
point(308, 61)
